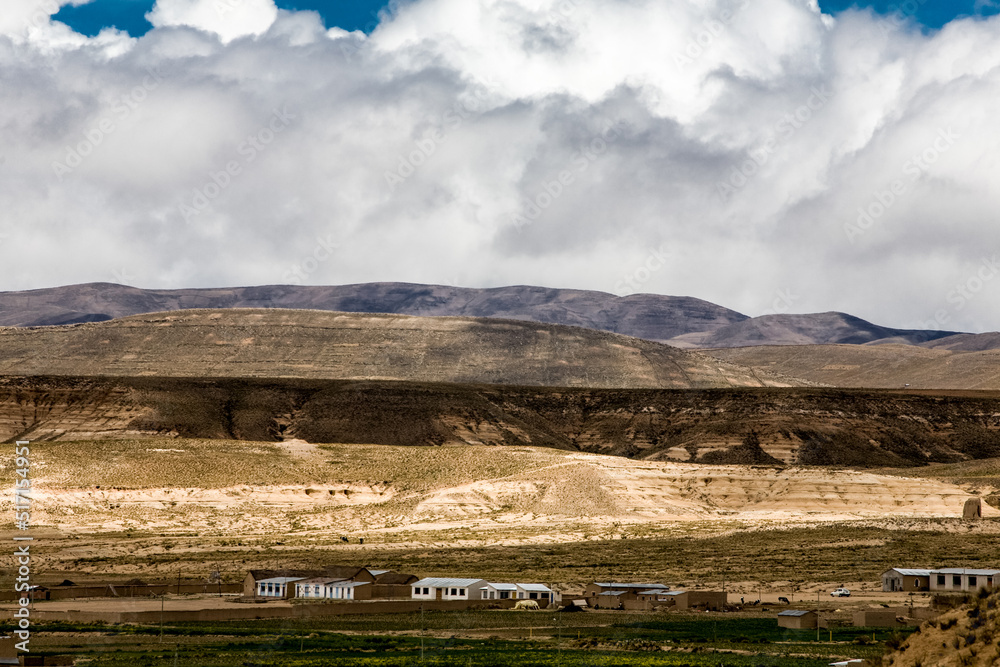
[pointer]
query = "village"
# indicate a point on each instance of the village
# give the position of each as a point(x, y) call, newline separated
point(903, 599)
point(344, 589)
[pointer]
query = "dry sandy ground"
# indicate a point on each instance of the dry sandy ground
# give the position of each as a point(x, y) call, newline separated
point(408, 494)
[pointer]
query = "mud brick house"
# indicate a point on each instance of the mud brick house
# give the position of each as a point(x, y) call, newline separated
point(798, 619)
point(392, 585)
point(875, 618)
point(679, 600)
point(613, 595)
point(906, 579)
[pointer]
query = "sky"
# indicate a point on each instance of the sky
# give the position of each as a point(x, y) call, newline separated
point(129, 15)
point(765, 155)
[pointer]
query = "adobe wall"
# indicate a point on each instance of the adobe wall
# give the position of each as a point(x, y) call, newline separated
point(265, 611)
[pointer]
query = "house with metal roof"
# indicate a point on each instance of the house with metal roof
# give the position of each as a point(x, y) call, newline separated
point(444, 588)
point(325, 588)
point(499, 591)
point(906, 580)
point(276, 587)
point(253, 579)
point(613, 595)
point(964, 580)
point(539, 592)
point(948, 579)
point(610, 599)
point(798, 619)
point(505, 591)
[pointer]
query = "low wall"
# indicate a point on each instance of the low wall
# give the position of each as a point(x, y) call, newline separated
point(885, 618)
point(266, 611)
point(122, 591)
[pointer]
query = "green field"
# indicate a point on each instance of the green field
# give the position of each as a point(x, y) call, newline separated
point(486, 638)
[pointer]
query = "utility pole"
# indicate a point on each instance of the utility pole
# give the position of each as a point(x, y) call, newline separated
point(817, 614)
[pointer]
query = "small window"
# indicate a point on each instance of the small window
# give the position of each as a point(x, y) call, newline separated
point(972, 581)
point(956, 580)
point(940, 580)
point(533, 596)
point(461, 591)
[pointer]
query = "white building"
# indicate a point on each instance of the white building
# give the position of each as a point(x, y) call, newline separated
point(440, 588)
point(539, 592)
point(962, 579)
point(501, 591)
point(325, 588)
point(492, 591)
point(275, 587)
point(948, 579)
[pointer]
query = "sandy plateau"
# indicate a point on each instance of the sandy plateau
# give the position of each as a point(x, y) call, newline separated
point(408, 494)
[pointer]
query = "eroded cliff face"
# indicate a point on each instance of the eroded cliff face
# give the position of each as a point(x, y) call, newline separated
point(797, 426)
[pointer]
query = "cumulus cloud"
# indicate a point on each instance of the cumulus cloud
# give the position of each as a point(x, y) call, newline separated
point(755, 153)
point(229, 19)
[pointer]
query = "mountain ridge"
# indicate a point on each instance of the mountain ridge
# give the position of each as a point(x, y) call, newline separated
point(681, 321)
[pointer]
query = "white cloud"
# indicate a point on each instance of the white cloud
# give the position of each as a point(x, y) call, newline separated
point(229, 19)
point(486, 142)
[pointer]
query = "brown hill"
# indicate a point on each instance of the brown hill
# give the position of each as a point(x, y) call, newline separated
point(801, 426)
point(811, 329)
point(874, 366)
point(966, 342)
point(353, 346)
point(648, 316)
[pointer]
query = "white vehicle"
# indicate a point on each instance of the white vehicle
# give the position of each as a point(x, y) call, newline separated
point(841, 593)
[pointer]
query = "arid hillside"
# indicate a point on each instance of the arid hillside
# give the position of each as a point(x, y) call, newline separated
point(968, 636)
point(253, 488)
point(799, 426)
point(809, 329)
point(880, 366)
point(352, 346)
